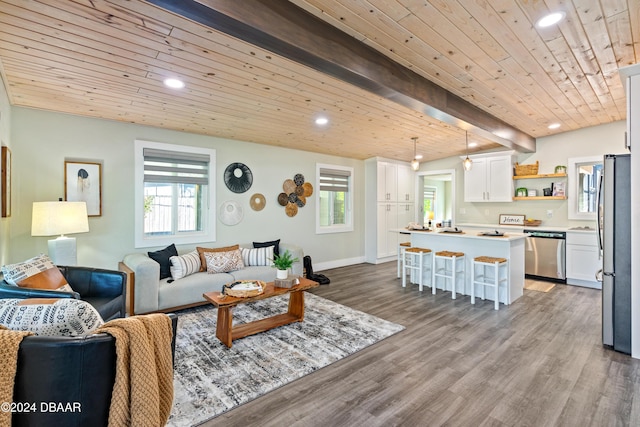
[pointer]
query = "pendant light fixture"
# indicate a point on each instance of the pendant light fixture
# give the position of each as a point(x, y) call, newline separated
point(415, 164)
point(467, 163)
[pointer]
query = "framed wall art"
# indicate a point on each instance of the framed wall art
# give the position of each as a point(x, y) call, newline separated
point(6, 181)
point(83, 183)
point(506, 219)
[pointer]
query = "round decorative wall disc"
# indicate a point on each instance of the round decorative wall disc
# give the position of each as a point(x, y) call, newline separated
point(289, 186)
point(291, 209)
point(238, 177)
point(301, 201)
point(257, 202)
point(308, 189)
point(230, 213)
point(283, 199)
point(300, 190)
point(298, 179)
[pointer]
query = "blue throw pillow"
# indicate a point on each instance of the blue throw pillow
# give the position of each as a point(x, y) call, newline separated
point(162, 257)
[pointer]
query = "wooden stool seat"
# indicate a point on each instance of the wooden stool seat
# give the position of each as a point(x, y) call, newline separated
point(489, 259)
point(452, 259)
point(417, 250)
point(449, 254)
point(488, 264)
point(416, 260)
point(402, 246)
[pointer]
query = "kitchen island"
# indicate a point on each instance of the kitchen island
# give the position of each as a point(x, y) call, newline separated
point(509, 246)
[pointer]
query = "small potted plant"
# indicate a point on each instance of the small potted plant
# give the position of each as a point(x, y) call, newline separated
point(283, 263)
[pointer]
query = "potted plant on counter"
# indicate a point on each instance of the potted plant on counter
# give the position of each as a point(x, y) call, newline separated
point(283, 263)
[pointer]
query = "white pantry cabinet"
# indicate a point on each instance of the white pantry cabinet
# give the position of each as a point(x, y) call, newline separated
point(406, 184)
point(490, 179)
point(389, 202)
point(583, 259)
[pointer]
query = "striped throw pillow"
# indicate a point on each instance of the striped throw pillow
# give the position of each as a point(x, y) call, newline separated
point(257, 256)
point(184, 265)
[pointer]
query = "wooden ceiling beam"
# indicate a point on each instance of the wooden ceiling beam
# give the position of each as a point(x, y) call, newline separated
point(287, 30)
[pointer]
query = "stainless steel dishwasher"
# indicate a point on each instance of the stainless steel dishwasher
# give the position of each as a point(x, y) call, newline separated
point(545, 255)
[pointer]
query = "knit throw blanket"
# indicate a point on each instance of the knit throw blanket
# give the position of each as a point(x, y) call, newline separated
point(9, 343)
point(143, 390)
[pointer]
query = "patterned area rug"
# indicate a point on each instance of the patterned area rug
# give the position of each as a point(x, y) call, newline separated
point(210, 378)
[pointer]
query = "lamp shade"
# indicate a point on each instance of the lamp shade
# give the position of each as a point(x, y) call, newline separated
point(59, 218)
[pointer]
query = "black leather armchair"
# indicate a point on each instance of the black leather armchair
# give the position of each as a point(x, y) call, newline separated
point(70, 373)
point(105, 290)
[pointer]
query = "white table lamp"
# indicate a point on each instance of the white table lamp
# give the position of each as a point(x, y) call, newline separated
point(58, 219)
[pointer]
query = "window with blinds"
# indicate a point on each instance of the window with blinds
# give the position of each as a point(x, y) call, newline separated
point(176, 191)
point(429, 200)
point(334, 199)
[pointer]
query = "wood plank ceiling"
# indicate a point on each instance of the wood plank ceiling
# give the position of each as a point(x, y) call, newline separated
point(108, 59)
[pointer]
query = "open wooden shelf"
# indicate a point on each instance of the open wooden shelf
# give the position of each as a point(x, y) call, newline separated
point(544, 175)
point(541, 198)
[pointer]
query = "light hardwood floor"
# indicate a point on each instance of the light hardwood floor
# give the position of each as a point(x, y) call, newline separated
point(538, 362)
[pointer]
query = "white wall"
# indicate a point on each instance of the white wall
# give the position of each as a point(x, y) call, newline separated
point(42, 141)
point(5, 132)
point(551, 151)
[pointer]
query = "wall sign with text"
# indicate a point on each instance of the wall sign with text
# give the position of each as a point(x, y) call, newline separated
point(507, 219)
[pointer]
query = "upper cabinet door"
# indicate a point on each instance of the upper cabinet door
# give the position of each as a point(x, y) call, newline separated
point(387, 182)
point(500, 179)
point(475, 182)
point(406, 184)
point(489, 180)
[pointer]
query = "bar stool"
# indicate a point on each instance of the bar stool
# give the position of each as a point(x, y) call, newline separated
point(453, 265)
point(488, 263)
point(401, 248)
point(419, 260)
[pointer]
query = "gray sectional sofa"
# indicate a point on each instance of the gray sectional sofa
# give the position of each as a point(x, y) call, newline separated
point(148, 293)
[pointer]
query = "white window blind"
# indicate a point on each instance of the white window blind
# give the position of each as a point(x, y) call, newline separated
point(334, 180)
point(162, 166)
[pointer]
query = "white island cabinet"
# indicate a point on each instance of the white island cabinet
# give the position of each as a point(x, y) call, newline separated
point(509, 246)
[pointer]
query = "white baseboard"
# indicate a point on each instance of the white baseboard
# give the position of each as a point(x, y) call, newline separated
point(584, 283)
point(337, 263)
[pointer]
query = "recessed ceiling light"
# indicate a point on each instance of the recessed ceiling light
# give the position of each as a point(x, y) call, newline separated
point(550, 19)
point(322, 121)
point(554, 126)
point(174, 83)
point(473, 144)
point(418, 156)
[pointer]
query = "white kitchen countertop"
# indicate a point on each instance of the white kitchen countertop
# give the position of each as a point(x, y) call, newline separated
point(468, 234)
point(520, 228)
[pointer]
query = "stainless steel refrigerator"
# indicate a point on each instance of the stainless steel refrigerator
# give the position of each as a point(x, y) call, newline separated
point(614, 233)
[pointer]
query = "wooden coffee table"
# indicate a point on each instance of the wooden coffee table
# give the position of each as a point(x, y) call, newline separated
point(227, 333)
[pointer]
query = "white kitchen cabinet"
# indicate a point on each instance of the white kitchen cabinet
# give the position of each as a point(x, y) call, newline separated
point(406, 214)
point(406, 184)
point(389, 206)
point(490, 179)
point(387, 182)
point(583, 259)
point(387, 244)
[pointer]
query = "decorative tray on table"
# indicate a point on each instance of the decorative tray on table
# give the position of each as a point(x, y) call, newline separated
point(244, 288)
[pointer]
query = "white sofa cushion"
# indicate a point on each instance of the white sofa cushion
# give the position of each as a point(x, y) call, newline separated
point(184, 265)
point(223, 262)
point(257, 256)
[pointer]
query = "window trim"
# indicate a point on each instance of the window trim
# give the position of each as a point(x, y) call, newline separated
point(349, 214)
point(209, 212)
